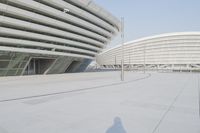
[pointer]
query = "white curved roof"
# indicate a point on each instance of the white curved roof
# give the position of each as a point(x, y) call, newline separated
point(154, 37)
point(170, 48)
point(85, 30)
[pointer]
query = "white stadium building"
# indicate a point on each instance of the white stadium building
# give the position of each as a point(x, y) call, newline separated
point(172, 51)
point(52, 36)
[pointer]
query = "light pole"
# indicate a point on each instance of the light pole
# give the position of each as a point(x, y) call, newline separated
point(115, 63)
point(129, 60)
point(199, 92)
point(144, 58)
point(122, 37)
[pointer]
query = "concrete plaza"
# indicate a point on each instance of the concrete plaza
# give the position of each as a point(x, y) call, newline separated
point(100, 103)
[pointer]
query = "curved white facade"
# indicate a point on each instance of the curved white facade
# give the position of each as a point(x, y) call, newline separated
point(60, 30)
point(173, 51)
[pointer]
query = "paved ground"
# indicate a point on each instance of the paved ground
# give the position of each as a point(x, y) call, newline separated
point(100, 103)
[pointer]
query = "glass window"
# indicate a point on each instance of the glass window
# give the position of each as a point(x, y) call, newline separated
point(19, 71)
point(4, 64)
point(5, 57)
point(22, 64)
point(16, 64)
point(26, 58)
point(11, 73)
point(2, 72)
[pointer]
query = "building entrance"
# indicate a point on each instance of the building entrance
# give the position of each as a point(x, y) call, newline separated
point(38, 66)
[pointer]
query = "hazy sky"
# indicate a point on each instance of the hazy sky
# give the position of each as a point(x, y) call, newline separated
point(150, 17)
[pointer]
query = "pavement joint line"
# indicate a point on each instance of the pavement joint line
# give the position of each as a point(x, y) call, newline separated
point(170, 107)
point(72, 91)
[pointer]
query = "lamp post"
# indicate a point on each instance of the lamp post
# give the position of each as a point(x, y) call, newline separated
point(115, 63)
point(199, 92)
point(129, 60)
point(144, 58)
point(122, 37)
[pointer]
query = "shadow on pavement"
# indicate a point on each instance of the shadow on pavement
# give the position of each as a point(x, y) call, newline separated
point(117, 126)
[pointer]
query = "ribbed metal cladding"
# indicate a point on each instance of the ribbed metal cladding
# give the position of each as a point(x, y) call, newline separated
point(173, 51)
point(42, 27)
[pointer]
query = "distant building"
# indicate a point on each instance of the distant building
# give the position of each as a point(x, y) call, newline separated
point(174, 51)
point(52, 36)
